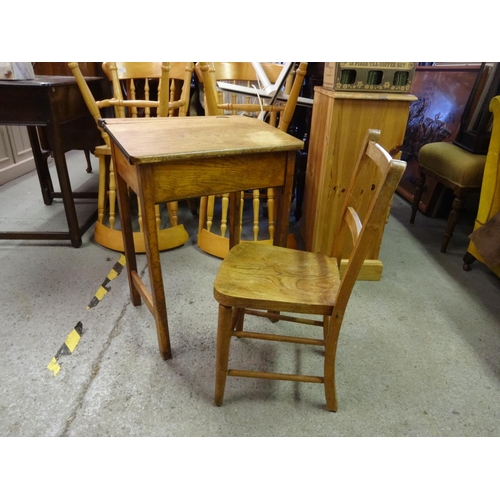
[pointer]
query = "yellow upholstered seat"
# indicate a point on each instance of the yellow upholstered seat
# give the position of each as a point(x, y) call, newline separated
point(453, 163)
point(454, 167)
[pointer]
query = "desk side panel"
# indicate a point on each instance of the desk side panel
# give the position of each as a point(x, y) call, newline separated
point(124, 168)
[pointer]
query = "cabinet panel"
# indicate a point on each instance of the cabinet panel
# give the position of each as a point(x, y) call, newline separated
point(20, 143)
point(339, 124)
point(16, 157)
point(6, 156)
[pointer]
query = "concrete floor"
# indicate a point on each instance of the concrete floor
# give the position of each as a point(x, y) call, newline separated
point(419, 353)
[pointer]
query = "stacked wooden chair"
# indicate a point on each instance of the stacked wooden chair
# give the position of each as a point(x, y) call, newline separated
point(212, 235)
point(145, 90)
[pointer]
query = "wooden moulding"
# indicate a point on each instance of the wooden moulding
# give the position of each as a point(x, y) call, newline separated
point(371, 270)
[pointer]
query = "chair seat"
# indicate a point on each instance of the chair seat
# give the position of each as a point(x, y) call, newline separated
point(453, 163)
point(275, 278)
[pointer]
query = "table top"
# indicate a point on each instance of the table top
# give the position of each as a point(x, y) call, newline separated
point(155, 140)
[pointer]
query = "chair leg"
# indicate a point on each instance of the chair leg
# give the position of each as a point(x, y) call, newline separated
point(332, 338)
point(456, 207)
point(417, 195)
point(222, 352)
point(238, 319)
point(89, 163)
point(101, 190)
point(469, 259)
point(326, 324)
point(193, 204)
point(173, 211)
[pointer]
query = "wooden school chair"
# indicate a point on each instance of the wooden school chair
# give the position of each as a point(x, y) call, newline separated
point(212, 235)
point(255, 279)
point(139, 90)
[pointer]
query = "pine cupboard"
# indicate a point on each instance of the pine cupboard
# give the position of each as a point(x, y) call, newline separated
point(338, 126)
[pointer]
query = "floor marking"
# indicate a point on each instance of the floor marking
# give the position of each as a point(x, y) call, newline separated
point(67, 348)
point(104, 289)
point(74, 336)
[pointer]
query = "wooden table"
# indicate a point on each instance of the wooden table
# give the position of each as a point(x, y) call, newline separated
point(55, 103)
point(166, 159)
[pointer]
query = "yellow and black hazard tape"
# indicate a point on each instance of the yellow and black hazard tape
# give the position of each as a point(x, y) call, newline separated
point(67, 348)
point(74, 336)
point(104, 289)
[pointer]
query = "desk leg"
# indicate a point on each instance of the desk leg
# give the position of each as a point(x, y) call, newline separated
point(154, 264)
point(234, 218)
point(42, 169)
point(128, 238)
point(283, 201)
point(64, 182)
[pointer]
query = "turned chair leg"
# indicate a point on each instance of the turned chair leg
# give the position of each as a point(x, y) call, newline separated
point(89, 163)
point(456, 207)
point(417, 196)
point(469, 259)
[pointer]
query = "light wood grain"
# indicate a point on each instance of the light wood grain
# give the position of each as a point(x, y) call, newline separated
point(296, 281)
point(338, 126)
point(163, 140)
point(168, 159)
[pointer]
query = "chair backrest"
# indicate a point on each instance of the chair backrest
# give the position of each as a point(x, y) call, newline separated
point(136, 81)
point(244, 71)
point(244, 74)
point(93, 106)
point(365, 209)
point(165, 106)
